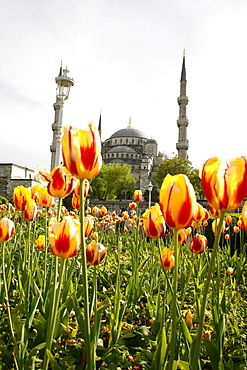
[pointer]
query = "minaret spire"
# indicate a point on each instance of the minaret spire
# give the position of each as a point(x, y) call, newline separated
point(182, 122)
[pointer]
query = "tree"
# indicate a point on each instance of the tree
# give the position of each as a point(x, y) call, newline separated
point(175, 166)
point(114, 181)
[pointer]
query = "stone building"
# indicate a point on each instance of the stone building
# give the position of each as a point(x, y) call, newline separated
point(12, 175)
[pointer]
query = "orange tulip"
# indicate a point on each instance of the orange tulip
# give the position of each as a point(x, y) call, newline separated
point(44, 198)
point(81, 151)
point(224, 182)
point(240, 223)
point(64, 237)
point(198, 244)
point(21, 197)
point(30, 212)
point(168, 259)
point(60, 183)
point(7, 229)
point(153, 222)
point(227, 236)
point(95, 253)
point(40, 242)
point(177, 201)
point(137, 196)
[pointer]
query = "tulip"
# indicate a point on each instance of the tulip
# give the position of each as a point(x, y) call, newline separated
point(132, 206)
point(224, 182)
point(227, 236)
point(7, 229)
point(81, 151)
point(244, 216)
point(88, 225)
point(177, 201)
point(103, 211)
point(60, 183)
point(137, 196)
point(188, 319)
point(230, 271)
point(30, 212)
point(154, 223)
point(183, 235)
point(240, 223)
point(21, 197)
point(198, 244)
point(64, 237)
point(95, 210)
point(199, 213)
point(215, 225)
point(95, 253)
point(214, 212)
point(168, 259)
point(228, 219)
point(86, 189)
point(44, 198)
point(40, 242)
point(236, 229)
point(75, 202)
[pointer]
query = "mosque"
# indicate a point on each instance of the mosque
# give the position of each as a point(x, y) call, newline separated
point(132, 146)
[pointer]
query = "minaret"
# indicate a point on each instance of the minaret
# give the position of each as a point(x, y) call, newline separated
point(64, 84)
point(182, 122)
point(99, 126)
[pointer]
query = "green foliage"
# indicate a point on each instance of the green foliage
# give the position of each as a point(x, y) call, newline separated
point(177, 166)
point(3, 200)
point(114, 181)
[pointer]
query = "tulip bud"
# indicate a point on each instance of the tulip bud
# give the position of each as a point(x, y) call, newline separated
point(95, 253)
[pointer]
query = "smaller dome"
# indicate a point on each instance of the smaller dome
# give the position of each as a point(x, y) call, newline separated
point(151, 141)
point(121, 149)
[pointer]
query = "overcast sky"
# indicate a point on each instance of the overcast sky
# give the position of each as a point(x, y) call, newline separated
point(125, 57)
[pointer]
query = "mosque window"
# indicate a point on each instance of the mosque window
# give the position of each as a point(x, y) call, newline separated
point(126, 141)
point(121, 141)
point(115, 141)
point(133, 140)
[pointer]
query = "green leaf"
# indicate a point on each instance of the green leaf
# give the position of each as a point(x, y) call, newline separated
point(212, 353)
point(183, 365)
point(54, 364)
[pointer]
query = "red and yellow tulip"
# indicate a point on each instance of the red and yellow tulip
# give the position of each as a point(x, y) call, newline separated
point(224, 182)
point(40, 242)
point(81, 151)
point(168, 258)
point(198, 244)
point(154, 222)
point(177, 201)
point(64, 238)
point(7, 229)
point(21, 197)
point(137, 196)
point(95, 253)
point(60, 183)
point(30, 212)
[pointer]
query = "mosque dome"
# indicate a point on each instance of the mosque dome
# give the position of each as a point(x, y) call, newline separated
point(129, 132)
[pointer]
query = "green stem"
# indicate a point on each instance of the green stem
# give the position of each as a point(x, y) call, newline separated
point(194, 363)
point(55, 304)
point(90, 361)
point(8, 309)
point(174, 302)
